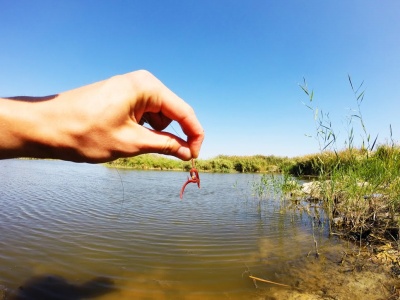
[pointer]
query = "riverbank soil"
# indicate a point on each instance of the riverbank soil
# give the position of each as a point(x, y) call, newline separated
point(370, 273)
point(349, 275)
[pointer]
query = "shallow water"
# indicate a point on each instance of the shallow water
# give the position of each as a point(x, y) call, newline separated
point(73, 230)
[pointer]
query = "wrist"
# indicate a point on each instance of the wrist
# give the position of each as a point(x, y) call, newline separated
point(17, 126)
point(28, 128)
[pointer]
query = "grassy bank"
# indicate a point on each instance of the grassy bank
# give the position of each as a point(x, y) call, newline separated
point(354, 190)
point(220, 164)
point(357, 187)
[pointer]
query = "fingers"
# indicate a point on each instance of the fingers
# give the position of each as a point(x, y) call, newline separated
point(152, 141)
point(176, 109)
point(162, 101)
point(156, 120)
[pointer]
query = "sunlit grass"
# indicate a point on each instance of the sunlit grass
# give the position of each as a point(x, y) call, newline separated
point(220, 164)
point(358, 186)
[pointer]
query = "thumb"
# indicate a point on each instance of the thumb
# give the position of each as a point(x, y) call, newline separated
point(152, 141)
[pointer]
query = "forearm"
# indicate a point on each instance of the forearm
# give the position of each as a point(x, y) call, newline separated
point(23, 130)
point(64, 126)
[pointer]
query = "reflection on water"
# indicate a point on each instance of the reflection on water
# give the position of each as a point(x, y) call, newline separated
point(75, 221)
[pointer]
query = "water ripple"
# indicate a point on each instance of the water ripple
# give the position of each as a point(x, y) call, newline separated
point(76, 221)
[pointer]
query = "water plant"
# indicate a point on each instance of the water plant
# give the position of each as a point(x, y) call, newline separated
point(358, 186)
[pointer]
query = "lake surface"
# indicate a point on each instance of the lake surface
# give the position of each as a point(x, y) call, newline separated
point(80, 231)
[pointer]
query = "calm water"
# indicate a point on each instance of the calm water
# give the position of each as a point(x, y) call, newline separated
point(72, 231)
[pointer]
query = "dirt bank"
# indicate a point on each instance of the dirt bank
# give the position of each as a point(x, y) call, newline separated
point(340, 276)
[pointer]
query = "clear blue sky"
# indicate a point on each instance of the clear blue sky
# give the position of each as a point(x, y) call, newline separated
point(238, 63)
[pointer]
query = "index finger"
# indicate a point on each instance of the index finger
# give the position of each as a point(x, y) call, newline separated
point(162, 99)
point(177, 109)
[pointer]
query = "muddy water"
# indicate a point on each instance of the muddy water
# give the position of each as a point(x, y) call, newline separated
point(73, 231)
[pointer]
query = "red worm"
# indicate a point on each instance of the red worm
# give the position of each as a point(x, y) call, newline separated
point(194, 177)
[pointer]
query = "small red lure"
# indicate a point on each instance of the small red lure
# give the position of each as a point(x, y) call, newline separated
point(194, 177)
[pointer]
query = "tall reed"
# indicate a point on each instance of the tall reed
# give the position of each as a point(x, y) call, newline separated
point(359, 186)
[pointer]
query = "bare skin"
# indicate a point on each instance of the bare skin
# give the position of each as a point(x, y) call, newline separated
point(100, 122)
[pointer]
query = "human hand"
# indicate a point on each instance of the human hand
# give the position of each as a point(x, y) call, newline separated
point(103, 121)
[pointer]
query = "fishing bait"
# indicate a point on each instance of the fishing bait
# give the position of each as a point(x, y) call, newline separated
point(194, 177)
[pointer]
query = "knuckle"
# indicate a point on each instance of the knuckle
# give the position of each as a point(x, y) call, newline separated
point(142, 76)
point(144, 73)
point(168, 147)
point(145, 82)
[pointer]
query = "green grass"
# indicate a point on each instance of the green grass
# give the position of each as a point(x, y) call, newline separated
point(360, 189)
point(358, 186)
point(220, 164)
